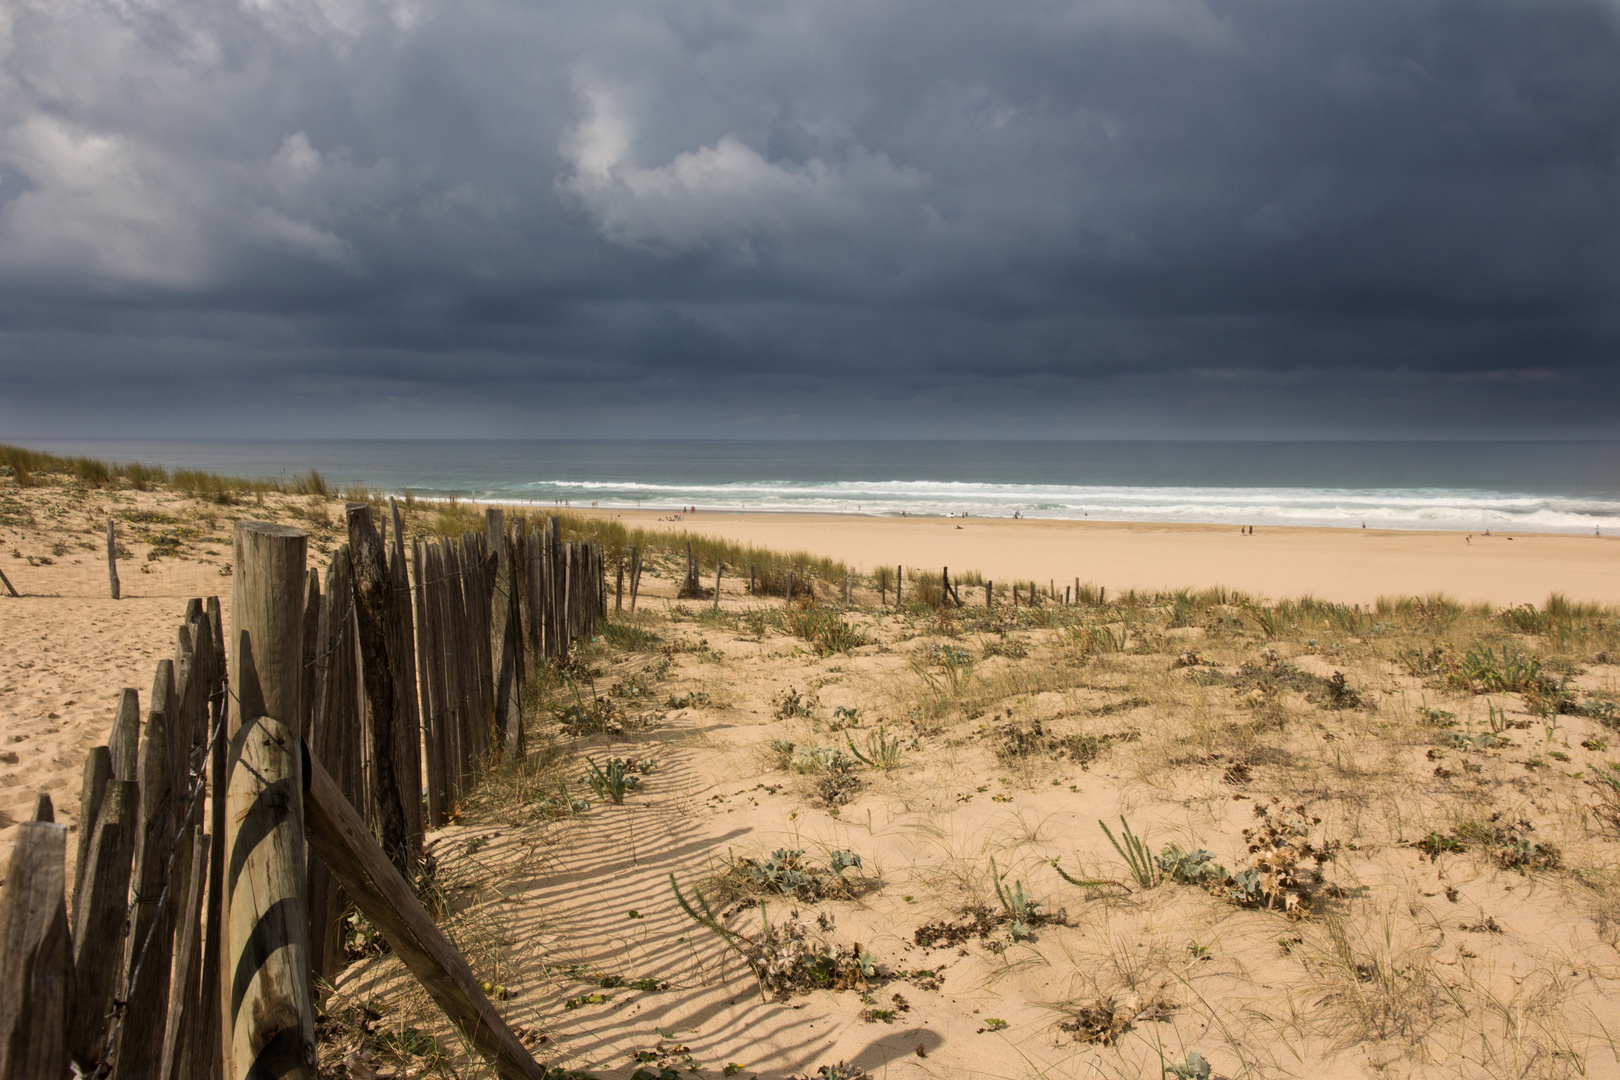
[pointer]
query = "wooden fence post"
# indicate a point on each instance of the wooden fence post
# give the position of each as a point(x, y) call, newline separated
point(112, 558)
point(787, 591)
point(36, 974)
point(7, 583)
point(269, 1021)
point(717, 568)
point(635, 577)
point(899, 576)
point(341, 838)
point(618, 589)
point(265, 649)
point(987, 593)
point(381, 669)
point(267, 622)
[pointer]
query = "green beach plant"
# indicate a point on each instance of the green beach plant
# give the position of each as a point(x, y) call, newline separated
point(1019, 908)
point(1144, 869)
point(882, 752)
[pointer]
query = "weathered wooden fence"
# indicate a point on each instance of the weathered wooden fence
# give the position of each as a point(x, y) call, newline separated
point(335, 710)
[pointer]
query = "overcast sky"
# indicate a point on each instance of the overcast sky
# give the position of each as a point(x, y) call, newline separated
point(846, 217)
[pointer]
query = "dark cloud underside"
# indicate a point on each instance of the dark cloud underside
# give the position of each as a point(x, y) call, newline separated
point(1114, 218)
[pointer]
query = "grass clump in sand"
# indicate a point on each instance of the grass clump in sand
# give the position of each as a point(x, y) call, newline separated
point(825, 629)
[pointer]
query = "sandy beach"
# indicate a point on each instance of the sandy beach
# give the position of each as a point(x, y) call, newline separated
point(1351, 566)
point(1003, 735)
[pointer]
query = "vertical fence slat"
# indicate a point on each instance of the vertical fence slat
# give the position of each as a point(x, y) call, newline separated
point(448, 702)
point(428, 690)
point(206, 1058)
point(534, 589)
point(500, 610)
point(146, 950)
point(635, 577)
point(334, 733)
point(380, 669)
point(181, 1024)
point(35, 956)
point(125, 741)
point(99, 914)
point(477, 590)
point(520, 591)
point(558, 580)
point(308, 668)
point(505, 640)
point(459, 645)
point(486, 654)
point(191, 663)
point(97, 771)
point(410, 738)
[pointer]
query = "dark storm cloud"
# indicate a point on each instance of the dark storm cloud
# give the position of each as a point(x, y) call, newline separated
point(1116, 217)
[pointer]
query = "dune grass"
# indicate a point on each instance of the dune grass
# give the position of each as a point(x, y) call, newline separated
point(27, 467)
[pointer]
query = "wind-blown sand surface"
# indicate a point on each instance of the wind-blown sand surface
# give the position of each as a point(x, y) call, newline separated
point(1465, 925)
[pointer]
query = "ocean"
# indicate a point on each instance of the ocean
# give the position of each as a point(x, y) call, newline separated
point(1527, 486)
